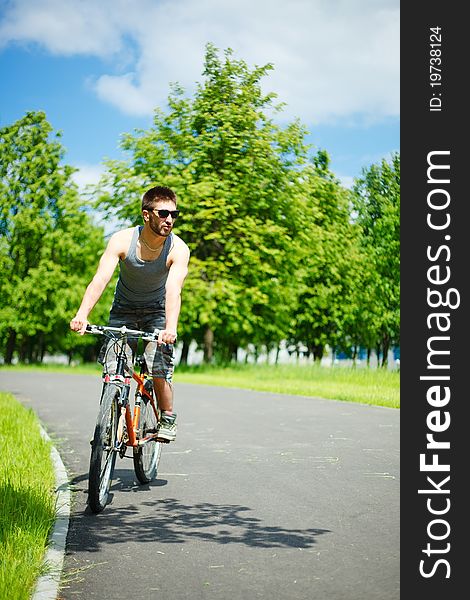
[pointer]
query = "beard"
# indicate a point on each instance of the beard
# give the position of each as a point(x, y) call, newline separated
point(163, 229)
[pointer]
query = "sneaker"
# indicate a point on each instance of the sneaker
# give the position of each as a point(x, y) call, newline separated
point(167, 427)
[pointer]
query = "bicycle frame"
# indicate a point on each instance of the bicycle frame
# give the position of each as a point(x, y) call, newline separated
point(124, 381)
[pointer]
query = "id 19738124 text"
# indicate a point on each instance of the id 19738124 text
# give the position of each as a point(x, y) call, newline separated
point(435, 68)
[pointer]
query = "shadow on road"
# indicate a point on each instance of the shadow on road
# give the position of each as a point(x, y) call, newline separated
point(169, 521)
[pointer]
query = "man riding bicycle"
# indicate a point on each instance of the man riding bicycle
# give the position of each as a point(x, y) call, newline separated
point(153, 264)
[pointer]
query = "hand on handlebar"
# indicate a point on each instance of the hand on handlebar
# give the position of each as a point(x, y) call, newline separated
point(79, 323)
point(166, 336)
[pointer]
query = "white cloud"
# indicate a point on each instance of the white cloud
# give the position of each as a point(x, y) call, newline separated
point(64, 27)
point(333, 59)
point(123, 92)
point(346, 181)
point(87, 175)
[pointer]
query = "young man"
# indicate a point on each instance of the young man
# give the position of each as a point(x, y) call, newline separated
point(153, 264)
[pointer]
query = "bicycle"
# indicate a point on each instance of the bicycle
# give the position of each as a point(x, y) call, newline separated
point(117, 426)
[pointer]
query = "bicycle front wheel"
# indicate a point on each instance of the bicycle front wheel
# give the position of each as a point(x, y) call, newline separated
point(103, 449)
point(147, 456)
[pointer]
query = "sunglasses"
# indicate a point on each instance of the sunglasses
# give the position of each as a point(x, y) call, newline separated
point(163, 213)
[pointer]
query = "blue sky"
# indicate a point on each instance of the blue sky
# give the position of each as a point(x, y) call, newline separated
point(98, 67)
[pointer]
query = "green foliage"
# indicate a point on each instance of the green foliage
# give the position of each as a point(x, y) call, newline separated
point(49, 244)
point(279, 249)
point(377, 204)
point(330, 262)
point(274, 252)
point(244, 212)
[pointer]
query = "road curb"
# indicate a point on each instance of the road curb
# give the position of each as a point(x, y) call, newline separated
point(47, 586)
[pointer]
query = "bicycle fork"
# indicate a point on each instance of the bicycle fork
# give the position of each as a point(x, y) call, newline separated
point(127, 426)
point(128, 423)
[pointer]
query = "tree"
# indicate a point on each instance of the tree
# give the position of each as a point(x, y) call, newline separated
point(48, 242)
point(237, 175)
point(275, 252)
point(377, 204)
point(329, 262)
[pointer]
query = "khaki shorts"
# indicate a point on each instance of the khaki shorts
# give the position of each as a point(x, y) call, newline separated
point(160, 359)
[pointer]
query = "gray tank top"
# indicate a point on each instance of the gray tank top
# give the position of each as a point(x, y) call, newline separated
point(141, 283)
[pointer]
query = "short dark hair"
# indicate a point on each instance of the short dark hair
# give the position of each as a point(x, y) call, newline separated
point(157, 194)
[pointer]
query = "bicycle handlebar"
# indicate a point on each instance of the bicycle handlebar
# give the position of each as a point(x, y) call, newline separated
point(145, 335)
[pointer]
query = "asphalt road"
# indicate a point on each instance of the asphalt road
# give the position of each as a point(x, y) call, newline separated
point(261, 496)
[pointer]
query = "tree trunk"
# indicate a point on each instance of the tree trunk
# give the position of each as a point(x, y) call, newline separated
point(233, 352)
point(385, 349)
point(23, 350)
point(317, 350)
point(208, 345)
point(41, 347)
point(184, 353)
point(10, 347)
point(377, 351)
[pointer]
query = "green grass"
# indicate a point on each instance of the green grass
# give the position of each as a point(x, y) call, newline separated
point(27, 499)
point(84, 369)
point(369, 386)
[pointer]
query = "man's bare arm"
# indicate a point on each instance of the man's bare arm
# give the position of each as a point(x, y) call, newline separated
point(174, 284)
point(96, 287)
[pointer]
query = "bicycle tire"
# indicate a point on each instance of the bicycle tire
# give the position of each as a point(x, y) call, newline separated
point(103, 454)
point(147, 456)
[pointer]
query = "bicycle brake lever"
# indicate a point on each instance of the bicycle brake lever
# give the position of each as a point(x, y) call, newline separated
point(94, 328)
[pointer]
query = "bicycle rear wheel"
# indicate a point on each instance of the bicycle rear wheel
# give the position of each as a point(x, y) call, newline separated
point(147, 456)
point(103, 453)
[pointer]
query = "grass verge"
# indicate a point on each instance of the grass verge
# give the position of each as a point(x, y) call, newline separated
point(366, 385)
point(369, 386)
point(27, 499)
